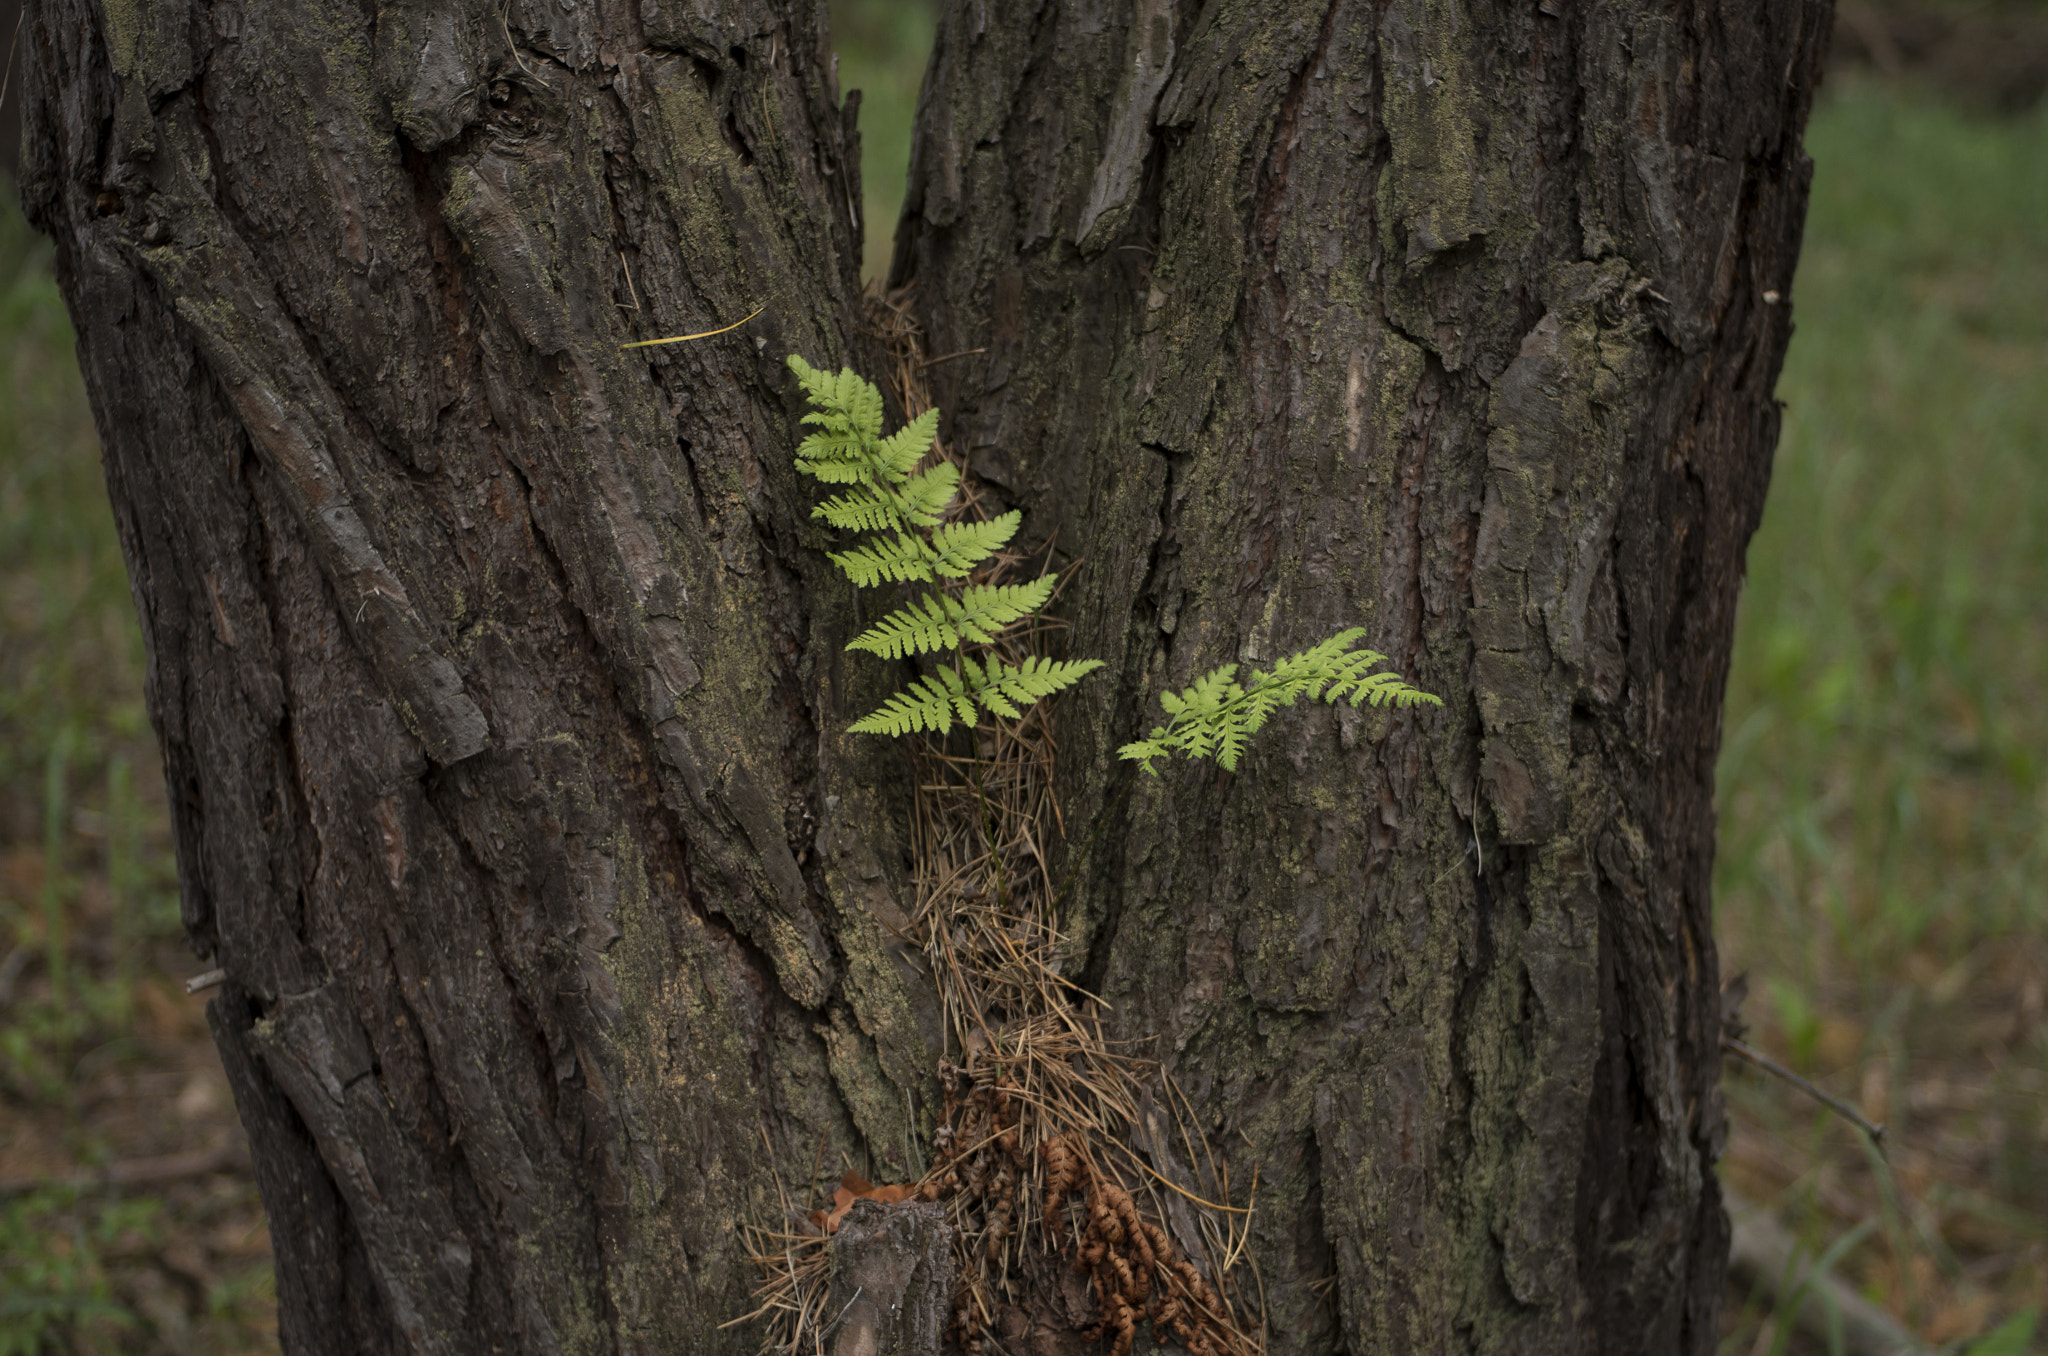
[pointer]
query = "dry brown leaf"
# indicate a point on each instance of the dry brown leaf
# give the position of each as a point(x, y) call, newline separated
point(854, 1187)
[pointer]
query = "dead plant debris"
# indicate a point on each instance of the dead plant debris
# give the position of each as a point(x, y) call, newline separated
point(1035, 1155)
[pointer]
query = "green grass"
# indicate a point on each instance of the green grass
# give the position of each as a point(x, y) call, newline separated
point(73, 731)
point(1887, 696)
point(54, 1287)
point(882, 46)
point(1884, 775)
point(1887, 718)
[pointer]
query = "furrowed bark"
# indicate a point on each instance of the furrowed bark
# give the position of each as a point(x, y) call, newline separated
point(486, 656)
point(1461, 323)
point(500, 677)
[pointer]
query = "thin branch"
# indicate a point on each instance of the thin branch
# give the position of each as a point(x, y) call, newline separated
point(1750, 1054)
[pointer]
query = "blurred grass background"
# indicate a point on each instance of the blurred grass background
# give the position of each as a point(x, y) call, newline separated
point(1883, 781)
point(126, 1220)
point(1883, 786)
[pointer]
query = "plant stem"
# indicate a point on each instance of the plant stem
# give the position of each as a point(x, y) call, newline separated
point(1750, 1054)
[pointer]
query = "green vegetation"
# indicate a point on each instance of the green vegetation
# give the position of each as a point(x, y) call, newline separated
point(54, 1286)
point(918, 536)
point(882, 46)
point(1216, 715)
point(1884, 776)
point(913, 541)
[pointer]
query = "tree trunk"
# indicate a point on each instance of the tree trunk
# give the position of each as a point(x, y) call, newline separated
point(500, 676)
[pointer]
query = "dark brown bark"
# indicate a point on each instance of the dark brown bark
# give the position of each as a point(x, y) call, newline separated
point(1459, 322)
point(500, 681)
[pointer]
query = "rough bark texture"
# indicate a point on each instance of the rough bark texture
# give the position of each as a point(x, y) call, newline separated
point(499, 677)
point(892, 1280)
point(1460, 322)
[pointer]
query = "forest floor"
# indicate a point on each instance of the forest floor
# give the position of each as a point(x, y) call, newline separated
point(1884, 780)
point(1882, 873)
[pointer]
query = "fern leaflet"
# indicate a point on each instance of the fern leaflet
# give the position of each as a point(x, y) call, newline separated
point(848, 448)
point(939, 622)
point(841, 399)
point(1002, 688)
point(1215, 716)
point(897, 455)
point(958, 547)
point(924, 496)
point(927, 704)
point(902, 558)
point(917, 502)
point(861, 511)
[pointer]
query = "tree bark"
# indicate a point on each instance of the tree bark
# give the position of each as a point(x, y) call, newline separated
point(500, 677)
point(1460, 322)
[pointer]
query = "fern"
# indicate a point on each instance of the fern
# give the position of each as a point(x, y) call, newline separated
point(902, 510)
point(919, 501)
point(902, 513)
point(927, 704)
point(942, 622)
point(902, 558)
point(1002, 688)
point(934, 703)
point(923, 498)
point(1217, 715)
point(958, 547)
point(900, 452)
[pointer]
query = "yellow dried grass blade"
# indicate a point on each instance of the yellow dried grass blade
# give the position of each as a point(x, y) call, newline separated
point(686, 338)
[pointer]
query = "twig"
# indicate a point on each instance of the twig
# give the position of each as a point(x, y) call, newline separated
point(701, 334)
point(1744, 1051)
point(209, 979)
point(833, 1326)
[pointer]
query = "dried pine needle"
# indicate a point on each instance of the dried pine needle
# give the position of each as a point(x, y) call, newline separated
point(1036, 1069)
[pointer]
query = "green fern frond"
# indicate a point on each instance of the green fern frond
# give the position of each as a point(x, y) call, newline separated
point(917, 502)
point(847, 449)
point(904, 510)
point(986, 609)
point(902, 558)
point(1217, 716)
point(835, 459)
point(939, 622)
point(927, 704)
point(897, 455)
point(862, 511)
point(958, 547)
point(918, 627)
point(1387, 689)
point(925, 496)
point(1002, 688)
point(843, 400)
point(1145, 750)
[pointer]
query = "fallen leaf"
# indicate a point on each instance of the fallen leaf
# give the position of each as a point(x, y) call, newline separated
point(854, 1187)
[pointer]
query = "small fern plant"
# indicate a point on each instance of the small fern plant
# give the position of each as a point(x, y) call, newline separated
point(908, 540)
point(1217, 715)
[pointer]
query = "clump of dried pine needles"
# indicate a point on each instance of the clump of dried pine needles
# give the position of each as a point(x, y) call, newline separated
point(1054, 1148)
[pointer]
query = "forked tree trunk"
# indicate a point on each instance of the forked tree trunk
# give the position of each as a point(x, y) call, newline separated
point(499, 674)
